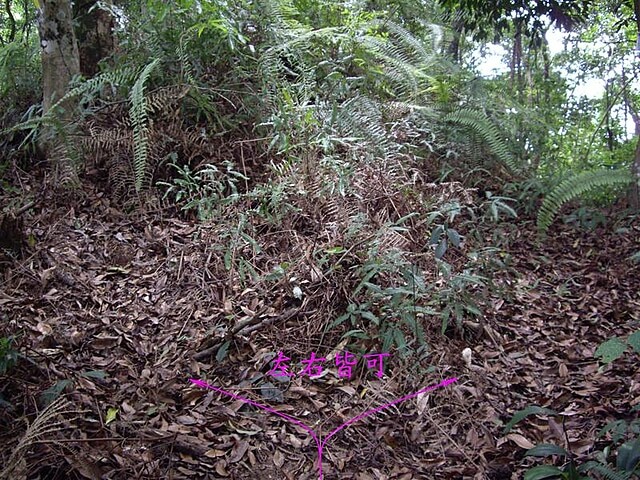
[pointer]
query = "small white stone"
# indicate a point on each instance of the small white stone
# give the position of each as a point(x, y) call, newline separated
point(466, 355)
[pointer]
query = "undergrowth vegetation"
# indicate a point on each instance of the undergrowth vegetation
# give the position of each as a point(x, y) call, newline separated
point(343, 144)
point(341, 154)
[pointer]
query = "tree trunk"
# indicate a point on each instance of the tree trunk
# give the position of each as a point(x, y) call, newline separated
point(634, 191)
point(60, 63)
point(60, 58)
point(95, 35)
point(636, 11)
point(516, 61)
point(634, 194)
point(12, 24)
point(454, 47)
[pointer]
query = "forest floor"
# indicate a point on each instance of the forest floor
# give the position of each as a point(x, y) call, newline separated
point(114, 313)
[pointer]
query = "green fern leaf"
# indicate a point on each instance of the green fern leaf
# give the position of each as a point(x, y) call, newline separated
point(139, 121)
point(608, 473)
point(574, 187)
point(404, 58)
point(88, 89)
point(481, 124)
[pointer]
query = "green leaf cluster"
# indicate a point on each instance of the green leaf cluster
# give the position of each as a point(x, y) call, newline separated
point(575, 186)
point(627, 464)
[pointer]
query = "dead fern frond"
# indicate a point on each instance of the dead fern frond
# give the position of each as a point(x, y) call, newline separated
point(361, 120)
point(163, 99)
point(51, 420)
point(391, 239)
point(66, 168)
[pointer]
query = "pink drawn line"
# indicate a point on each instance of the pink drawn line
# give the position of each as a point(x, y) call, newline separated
point(321, 444)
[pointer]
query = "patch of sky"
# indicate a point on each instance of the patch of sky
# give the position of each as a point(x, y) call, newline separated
point(492, 60)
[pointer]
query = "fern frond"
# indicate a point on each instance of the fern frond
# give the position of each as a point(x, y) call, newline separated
point(87, 89)
point(278, 18)
point(404, 58)
point(90, 88)
point(300, 68)
point(138, 113)
point(608, 473)
point(185, 62)
point(46, 424)
point(574, 187)
point(482, 125)
point(291, 39)
point(164, 98)
point(295, 77)
point(360, 119)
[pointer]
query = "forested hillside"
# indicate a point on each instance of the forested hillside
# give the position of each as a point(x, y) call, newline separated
point(307, 239)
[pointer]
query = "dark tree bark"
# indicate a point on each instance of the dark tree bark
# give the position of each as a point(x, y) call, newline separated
point(636, 169)
point(634, 194)
point(454, 47)
point(516, 61)
point(12, 22)
point(634, 197)
point(59, 49)
point(60, 63)
point(95, 35)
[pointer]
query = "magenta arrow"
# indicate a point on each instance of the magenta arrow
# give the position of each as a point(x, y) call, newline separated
point(319, 443)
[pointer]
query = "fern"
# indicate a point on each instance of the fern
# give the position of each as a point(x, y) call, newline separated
point(139, 121)
point(607, 472)
point(90, 89)
point(404, 59)
point(360, 119)
point(279, 21)
point(481, 124)
point(62, 126)
point(574, 187)
point(87, 90)
point(402, 62)
point(288, 61)
point(291, 63)
point(54, 418)
point(185, 62)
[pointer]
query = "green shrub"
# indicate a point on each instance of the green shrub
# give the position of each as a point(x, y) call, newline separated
point(8, 354)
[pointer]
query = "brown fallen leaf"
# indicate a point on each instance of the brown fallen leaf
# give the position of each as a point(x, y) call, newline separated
point(238, 451)
point(214, 453)
point(520, 440)
point(221, 469)
point(563, 371)
point(44, 328)
point(278, 459)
